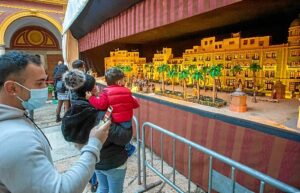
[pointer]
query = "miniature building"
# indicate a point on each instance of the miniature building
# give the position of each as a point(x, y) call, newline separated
point(126, 58)
point(277, 61)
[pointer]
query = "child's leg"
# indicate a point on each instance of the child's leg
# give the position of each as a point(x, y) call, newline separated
point(103, 183)
point(130, 149)
point(93, 180)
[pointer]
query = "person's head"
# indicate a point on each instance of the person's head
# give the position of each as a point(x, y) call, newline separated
point(79, 82)
point(78, 64)
point(114, 76)
point(19, 73)
point(60, 63)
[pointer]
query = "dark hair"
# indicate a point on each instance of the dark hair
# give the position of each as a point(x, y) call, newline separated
point(87, 87)
point(78, 64)
point(112, 75)
point(13, 63)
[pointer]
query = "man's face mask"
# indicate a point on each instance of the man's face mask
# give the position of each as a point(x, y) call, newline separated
point(38, 98)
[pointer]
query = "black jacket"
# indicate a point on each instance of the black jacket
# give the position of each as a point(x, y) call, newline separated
point(77, 124)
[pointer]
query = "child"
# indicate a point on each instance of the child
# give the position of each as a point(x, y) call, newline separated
point(120, 98)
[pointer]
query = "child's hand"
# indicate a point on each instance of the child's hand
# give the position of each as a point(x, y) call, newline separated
point(94, 92)
point(88, 95)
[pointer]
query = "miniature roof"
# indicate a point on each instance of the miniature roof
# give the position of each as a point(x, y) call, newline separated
point(296, 22)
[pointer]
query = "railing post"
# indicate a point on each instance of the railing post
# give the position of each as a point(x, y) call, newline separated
point(144, 156)
point(137, 126)
point(210, 174)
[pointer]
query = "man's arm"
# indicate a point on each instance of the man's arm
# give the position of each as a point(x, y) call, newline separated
point(28, 169)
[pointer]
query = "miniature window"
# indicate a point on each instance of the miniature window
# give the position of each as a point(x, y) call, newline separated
point(267, 74)
point(210, 42)
point(292, 74)
point(261, 43)
point(235, 56)
point(292, 86)
point(246, 73)
point(272, 74)
point(245, 42)
point(274, 55)
point(216, 46)
point(252, 41)
point(220, 46)
point(205, 42)
point(247, 56)
point(231, 42)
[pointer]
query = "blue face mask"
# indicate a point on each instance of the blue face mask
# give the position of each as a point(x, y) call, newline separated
point(38, 98)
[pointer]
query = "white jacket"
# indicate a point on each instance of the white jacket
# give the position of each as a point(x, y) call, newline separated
point(26, 165)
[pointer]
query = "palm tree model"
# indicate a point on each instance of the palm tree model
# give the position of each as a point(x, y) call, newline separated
point(215, 71)
point(183, 75)
point(254, 67)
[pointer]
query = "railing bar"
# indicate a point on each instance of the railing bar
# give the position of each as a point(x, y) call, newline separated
point(261, 187)
point(161, 153)
point(210, 174)
point(189, 169)
point(164, 178)
point(232, 179)
point(174, 159)
point(138, 142)
point(151, 146)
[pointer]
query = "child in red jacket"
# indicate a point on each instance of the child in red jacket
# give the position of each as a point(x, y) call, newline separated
point(119, 97)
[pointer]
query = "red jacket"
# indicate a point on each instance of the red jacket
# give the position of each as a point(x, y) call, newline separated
point(121, 100)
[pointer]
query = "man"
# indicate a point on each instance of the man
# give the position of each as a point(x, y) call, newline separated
point(80, 65)
point(26, 165)
point(62, 94)
point(54, 78)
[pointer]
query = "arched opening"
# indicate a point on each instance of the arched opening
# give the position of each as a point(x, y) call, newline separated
point(38, 36)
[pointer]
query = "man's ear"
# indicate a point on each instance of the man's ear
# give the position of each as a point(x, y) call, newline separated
point(10, 88)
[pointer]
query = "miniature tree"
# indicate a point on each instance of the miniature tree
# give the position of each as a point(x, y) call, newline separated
point(172, 73)
point(126, 69)
point(205, 72)
point(183, 75)
point(161, 70)
point(215, 72)
point(254, 67)
point(196, 76)
point(236, 69)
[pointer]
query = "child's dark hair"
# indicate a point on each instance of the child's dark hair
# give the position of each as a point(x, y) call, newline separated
point(112, 75)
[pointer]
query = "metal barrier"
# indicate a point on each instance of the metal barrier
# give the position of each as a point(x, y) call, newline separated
point(264, 179)
point(138, 142)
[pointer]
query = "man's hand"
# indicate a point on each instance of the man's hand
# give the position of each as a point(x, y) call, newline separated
point(101, 132)
point(88, 95)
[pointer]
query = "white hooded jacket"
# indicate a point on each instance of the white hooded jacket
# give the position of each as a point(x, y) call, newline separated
point(26, 165)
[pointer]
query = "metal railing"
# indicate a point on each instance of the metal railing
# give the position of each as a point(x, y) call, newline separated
point(263, 178)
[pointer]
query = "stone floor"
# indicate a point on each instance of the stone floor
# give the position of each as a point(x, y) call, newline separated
point(64, 155)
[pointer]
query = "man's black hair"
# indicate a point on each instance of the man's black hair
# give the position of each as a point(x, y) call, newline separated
point(78, 64)
point(13, 63)
point(112, 75)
